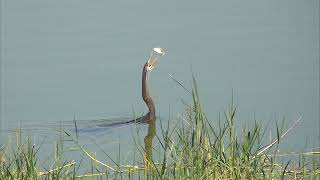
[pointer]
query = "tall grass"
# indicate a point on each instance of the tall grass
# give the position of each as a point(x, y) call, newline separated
point(192, 149)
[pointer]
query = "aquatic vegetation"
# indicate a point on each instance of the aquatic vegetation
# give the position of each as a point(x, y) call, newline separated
point(191, 149)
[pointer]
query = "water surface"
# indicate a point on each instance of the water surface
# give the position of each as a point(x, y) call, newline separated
point(83, 59)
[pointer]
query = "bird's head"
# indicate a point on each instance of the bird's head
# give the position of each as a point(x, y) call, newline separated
point(154, 58)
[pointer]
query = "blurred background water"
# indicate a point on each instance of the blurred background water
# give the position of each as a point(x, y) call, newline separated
point(83, 59)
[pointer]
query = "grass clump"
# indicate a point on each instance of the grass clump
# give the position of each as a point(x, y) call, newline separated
point(194, 148)
point(198, 150)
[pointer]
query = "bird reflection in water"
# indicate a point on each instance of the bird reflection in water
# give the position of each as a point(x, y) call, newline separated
point(148, 143)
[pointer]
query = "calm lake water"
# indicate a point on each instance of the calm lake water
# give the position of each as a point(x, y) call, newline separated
point(83, 59)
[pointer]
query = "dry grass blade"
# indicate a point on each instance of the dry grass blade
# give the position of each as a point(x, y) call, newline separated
point(56, 169)
point(268, 146)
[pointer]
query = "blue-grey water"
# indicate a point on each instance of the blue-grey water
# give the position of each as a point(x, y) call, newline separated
point(62, 60)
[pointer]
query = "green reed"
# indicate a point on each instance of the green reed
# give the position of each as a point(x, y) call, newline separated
point(192, 148)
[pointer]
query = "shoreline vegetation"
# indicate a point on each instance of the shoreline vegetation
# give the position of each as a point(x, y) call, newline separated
point(190, 149)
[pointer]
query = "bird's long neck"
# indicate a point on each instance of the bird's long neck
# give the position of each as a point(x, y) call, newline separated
point(146, 96)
